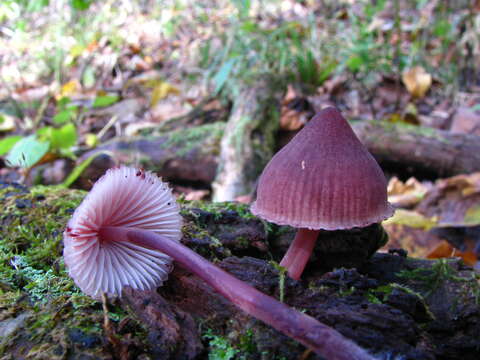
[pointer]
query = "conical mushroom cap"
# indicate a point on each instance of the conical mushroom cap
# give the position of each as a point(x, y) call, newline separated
point(123, 197)
point(324, 178)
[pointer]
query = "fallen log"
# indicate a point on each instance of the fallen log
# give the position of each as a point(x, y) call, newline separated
point(192, 154)
point(431, 152)
point(189, 154)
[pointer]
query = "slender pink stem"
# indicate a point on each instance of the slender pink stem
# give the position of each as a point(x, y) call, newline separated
point(321, 338)
point(299, 252)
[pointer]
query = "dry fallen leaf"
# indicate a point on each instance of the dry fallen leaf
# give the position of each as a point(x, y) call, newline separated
point(454, 201)
point(416, 241)
point(405, 194)
point(294, 114)
point(412, 219)
point(161, 90)
point(69, 88)
point(417, 81)
point(445, 250)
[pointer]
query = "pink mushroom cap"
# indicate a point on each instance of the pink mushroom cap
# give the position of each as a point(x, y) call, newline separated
point(129, 198)
point(324, 178)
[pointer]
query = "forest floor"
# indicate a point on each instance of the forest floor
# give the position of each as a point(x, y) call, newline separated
point(87, 85)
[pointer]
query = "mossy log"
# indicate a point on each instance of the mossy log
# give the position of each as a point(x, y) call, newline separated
point(189, 154)
point(391, 305)
point(194, 153)
point(431, 152)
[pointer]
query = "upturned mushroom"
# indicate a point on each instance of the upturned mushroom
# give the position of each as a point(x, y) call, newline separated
point(127, 230)
point(324, 178)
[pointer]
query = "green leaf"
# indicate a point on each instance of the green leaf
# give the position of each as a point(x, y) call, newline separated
point(250, 27)
point(77, 171)
point(64, 116)
point(105, 100)
point(442, 28)
point(222, 75)
point(354, 63)
point(27, 152)
point(7, 143)
point(64, 137)
point(81, 5)
point(60, 139)
point(326, 72)
point(63, 102)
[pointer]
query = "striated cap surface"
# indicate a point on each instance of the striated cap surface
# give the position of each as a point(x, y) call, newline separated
point(324, 178)
point(123, 197)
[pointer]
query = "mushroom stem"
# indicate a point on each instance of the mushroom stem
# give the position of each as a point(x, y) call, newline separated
point(299, 252)
point(321, 338)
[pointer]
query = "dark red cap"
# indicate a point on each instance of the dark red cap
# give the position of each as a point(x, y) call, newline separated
point(324, 178)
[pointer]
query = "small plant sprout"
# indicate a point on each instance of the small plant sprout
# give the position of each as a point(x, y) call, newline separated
point(126, 232)
point(324, 178)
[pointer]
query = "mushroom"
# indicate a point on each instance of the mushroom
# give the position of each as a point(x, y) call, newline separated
point(324, 178)
point(127, 230)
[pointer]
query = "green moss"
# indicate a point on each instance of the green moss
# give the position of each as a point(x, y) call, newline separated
point(35, 281)
point(185, 140)
point(344, 292)
point(442, 274)
point(30, 243)
point(409, 128)
point(221, 348)
point(434, 276)
point(218, 208)
point(381, 294)
point(282, 271)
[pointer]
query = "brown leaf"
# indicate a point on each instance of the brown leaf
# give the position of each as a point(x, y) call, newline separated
point(69, 88)
point(454, 201)
point(445, 250)
point(417, 242)
point(161, 90)
point(417, 81)
point(405, 194)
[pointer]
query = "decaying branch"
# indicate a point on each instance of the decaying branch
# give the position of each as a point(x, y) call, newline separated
point(431, 151)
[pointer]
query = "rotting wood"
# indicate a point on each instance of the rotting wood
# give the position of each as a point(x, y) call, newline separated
point(435, 153)
point(392, 305)
point(182, 155)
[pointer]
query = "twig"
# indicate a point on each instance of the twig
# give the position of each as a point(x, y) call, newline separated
point(41, 111)
point(107, 126)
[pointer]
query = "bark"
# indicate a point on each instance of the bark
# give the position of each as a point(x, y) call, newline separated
point(248, 141)
point(432, 152)
point(182, 155)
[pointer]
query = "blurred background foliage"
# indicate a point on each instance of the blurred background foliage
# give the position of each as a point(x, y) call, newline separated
point(61, 59)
